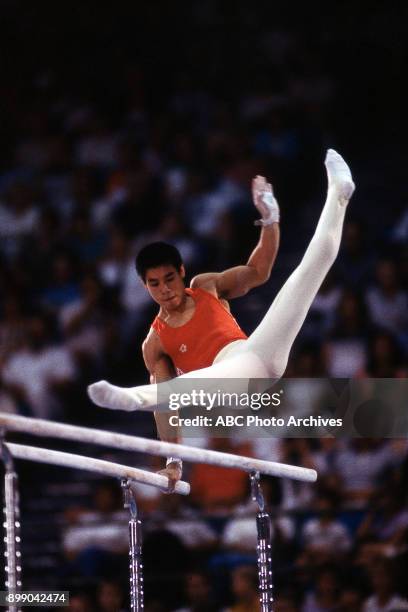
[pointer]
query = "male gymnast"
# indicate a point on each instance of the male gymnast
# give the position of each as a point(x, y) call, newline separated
point(195, 336)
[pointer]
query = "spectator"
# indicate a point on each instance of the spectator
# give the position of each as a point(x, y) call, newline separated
point(97, 148)
point(199, 597)
point(82, 195)
point(355, 261)
point(216, 489)
point(325, 596)
point(297, 495)
point(324, 307)
point(384, 359)
point(95, 542)
point(40, 373)
point(385, 597)
point(187, 524)
point(171, 229)
point(80, 602)
point(385, 526)
point(346, 349)
point(19, 217)
point(63, 287)
point(387, 302)
point(7, 402)
point(351, 600)
point(244, 589)
point(360, 465)
point(83, 322)
point(41, 246)
point(240, 533)
point(325, 539)
point(13, 327)
point(117, 272)
point(86, 243)
point(110, 597)
point(141, 206)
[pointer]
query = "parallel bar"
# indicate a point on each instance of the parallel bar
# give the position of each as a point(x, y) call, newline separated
point(39, 427)
point(43, 455)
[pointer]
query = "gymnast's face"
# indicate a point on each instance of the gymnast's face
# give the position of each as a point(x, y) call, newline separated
point(166, 286)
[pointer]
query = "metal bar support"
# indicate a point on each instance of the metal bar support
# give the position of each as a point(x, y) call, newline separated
point(264, 546)
point(11, 524)
point(135, 548)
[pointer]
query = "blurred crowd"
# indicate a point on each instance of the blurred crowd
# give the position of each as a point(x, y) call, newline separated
point(86, 191)
point(100, 165)
point(340, 545)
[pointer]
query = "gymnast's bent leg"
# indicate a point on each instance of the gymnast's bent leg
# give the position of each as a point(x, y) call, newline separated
point(265, 353)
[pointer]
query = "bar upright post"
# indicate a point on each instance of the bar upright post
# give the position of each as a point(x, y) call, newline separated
point(11, 524)
point(264, 546)
point(135, 549)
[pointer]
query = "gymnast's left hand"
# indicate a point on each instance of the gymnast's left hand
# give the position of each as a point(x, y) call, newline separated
point(265, 201)
point(173, 472)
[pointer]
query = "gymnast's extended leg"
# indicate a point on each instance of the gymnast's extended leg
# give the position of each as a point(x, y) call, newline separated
point(272, 340)
point(265, 353)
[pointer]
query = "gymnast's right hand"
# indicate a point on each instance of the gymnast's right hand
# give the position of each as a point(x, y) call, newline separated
point(106, 395)
point(173, 472)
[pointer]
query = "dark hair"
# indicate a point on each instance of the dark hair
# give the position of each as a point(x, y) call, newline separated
point(157, 254)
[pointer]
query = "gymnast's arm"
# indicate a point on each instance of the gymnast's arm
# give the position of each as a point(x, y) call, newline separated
point(161, 369)
point(237, 281)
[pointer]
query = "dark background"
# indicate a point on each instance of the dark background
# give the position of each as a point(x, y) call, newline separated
point(216, 93)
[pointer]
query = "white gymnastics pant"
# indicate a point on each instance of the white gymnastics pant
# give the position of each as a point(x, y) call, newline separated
point(265, 354)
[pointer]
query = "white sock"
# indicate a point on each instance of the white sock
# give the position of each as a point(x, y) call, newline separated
point(106, 395)
point(339, 175)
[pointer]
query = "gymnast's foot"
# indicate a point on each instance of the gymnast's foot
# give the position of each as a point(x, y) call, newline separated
point(106, 395)
point(339, 176)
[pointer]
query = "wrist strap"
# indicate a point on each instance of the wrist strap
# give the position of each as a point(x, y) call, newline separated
point(266, 222)
point(174, 460)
